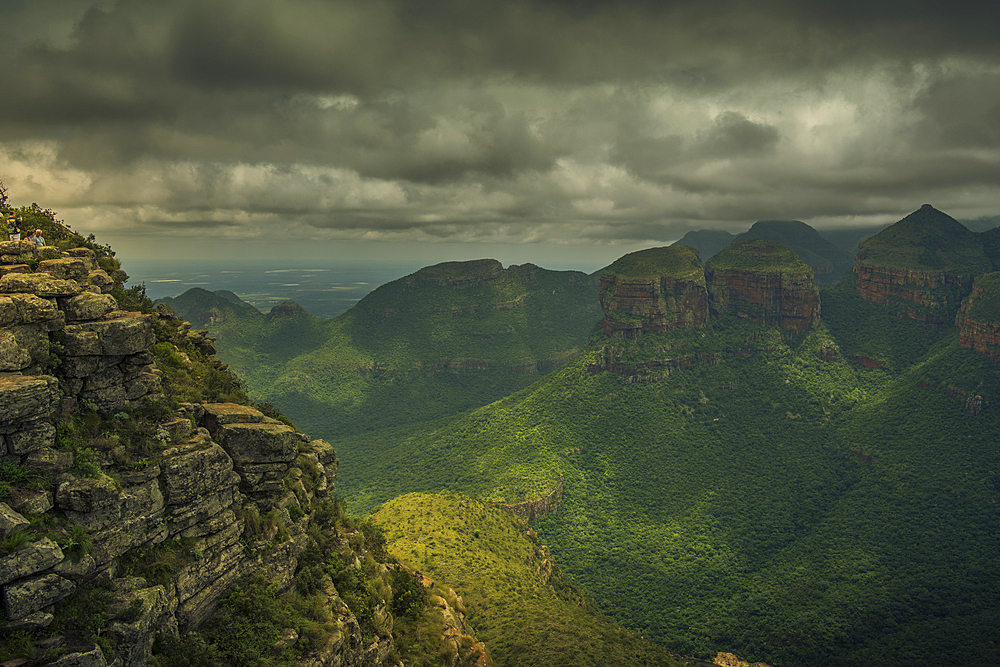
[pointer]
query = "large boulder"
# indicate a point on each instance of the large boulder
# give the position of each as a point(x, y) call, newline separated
point(13, 357)
point(40, 284)
point(27, 596)
point(260, 443)
point(9, 519)
point(66, 268)
point(119, 333)
point(24, 247)
point(87, 306)
point(26, 396)
point(30, 559)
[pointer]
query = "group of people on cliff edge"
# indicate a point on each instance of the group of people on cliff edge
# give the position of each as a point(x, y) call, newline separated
point(14, 231)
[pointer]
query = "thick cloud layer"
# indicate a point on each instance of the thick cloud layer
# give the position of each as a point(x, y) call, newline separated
point(562, 122)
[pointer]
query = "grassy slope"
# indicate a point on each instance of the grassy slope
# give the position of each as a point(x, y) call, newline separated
point(757, 255)
point(724, 508)
point(412, 350)
point(679, 261)
point(500, 568)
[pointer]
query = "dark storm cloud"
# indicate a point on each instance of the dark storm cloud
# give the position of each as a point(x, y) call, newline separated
point(961, 111)
point(579, 119)
point(736, 135)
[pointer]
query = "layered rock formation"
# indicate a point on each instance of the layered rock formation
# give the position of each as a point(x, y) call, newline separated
point(978, 319)
point(70, 358)
point(200, 492)
point(763, 282)
point(921, 267)
point(657, 289)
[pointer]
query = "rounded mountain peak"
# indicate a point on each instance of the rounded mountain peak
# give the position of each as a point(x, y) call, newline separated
point(459, 274)
point(926, 239)
point(759, 256)
point(676, 261)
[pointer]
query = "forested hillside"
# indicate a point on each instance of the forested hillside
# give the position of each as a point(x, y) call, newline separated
point(445, 339)
point(804, 497)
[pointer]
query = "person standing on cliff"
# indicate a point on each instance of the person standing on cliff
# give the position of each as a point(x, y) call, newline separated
point(14, 227)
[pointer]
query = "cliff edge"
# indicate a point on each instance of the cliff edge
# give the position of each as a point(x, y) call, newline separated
point(921, 267)
point(763, 282)
point(657, 289)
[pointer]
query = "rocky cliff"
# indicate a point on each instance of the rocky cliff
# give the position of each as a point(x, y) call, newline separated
point(128, 513)
point(763, 282)
point(978, 319)
point(657, 289)
point(921, 267)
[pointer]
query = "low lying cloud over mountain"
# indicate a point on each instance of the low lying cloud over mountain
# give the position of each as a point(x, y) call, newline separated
point(555, 122)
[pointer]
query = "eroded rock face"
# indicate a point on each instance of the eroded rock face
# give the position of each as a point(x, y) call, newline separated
point(656, 304)
point(921, 267)
point(787, 300)
point(658, 289)
point(978, 319)
point(926, 296)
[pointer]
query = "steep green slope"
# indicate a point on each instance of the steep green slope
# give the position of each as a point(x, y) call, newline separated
point(444, 339)
point(517, 599)
point(784, 507)
point(203, 308)
point(928, 240)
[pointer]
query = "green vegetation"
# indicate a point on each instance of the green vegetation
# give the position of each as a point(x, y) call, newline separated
point(675, 261)
point(445, 339)
point(732, 490)
point(928, 240)
point(986, 307)
point(827, 261)
point(515, 597)
point(757, 255)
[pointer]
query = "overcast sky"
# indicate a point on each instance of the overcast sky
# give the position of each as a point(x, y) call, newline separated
point(539, 129)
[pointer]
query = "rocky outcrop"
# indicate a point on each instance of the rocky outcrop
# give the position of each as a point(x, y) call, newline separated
point(921, 267)
point(198, 492)
point(285, 309)
point(763, 282)
point(658, 289)
point(926, 296)
point(978, 319)
point(529, 510)
point(457, 636)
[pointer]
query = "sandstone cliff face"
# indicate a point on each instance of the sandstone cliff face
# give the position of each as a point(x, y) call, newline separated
point(636, 305)
point(529, 510)
point(763, 282)
point(926, 296)
point(977, 322)
point(787, 300)
point(658, 289)
point(921, 267)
